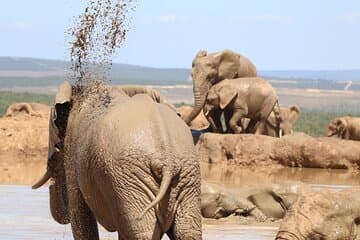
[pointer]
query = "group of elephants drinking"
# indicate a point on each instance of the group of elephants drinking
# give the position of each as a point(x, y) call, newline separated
point(122, 156)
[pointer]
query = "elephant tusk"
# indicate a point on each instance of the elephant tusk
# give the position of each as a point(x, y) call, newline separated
point(42, 181)
point(280, 133)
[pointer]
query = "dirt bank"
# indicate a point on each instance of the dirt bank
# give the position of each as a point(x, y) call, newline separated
point(297, 150)
point(23, 145)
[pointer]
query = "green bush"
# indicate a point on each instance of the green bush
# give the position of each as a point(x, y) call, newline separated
point(8, 98)
point(315, 123)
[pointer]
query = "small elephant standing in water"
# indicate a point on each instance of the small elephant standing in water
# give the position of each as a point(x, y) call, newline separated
point(241, 98)
point(209, 69)
point(345, 127)
point(135, 172)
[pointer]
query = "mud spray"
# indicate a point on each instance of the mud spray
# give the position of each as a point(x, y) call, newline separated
point(95, 36)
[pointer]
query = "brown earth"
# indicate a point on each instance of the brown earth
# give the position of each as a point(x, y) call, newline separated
point(296, 150)
point(23, 145)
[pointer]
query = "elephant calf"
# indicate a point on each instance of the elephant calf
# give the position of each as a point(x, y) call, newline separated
point(241, 98)
point(345, 127)
point(219, 205)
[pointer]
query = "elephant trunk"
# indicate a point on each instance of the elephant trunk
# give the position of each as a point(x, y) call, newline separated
point(59, 201)
point(200, 94)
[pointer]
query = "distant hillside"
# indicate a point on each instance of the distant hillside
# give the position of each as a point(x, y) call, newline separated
point(16, 71)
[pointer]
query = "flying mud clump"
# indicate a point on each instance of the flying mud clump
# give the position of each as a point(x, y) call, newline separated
point(97, 33)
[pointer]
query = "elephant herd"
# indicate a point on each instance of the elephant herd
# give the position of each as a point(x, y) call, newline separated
point(123, 157)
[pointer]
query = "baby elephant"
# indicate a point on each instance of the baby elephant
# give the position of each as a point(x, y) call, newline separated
point(240, 98)
point(345, 127)
point(218, 205)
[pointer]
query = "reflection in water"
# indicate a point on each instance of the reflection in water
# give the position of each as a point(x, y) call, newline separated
point(25, 215)
point(235, 177)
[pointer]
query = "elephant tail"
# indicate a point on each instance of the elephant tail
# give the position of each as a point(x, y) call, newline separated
point(164, 185)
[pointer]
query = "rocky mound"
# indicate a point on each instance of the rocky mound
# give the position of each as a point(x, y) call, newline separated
point(296, 150)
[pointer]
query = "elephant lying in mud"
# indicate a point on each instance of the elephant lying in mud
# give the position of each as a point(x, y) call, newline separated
point(135, 172)
point(345, 127)
point(327, 215)
point(261, 204)
point(29, 108)
point(209, 69)
point(240, 98)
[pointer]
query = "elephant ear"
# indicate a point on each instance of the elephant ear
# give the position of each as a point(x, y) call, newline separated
point(201, 53)
point(341, 127)
point(58, 117)
point(228, 64)
point(226, 95)
point(294, 114)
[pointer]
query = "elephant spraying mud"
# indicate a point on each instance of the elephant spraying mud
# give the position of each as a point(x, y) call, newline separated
point(209, 69)
point(135, 172)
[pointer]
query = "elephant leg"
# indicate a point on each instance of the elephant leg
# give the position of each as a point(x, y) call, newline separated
point(215, 122)
point(83, 221)
point(251, 126)
point(266, 110)
point(235, 119)
point(187, 222)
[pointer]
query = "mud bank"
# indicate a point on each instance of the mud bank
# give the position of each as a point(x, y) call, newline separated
point(297, 150)
point(24, 143)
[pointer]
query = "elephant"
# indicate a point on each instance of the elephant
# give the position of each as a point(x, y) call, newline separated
point(276, 199)
point(327, 215)
point(240, 98)
point(135, 172)
point(287, 118)
point(345, 127)
point(29, 108)
point(198, 123)
point(132, 90)
point(209, 69)
point(219, 205)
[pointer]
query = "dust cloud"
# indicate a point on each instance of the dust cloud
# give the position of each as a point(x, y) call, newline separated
point(95, 36)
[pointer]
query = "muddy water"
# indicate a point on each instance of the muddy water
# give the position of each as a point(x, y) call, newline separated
point(24, 213)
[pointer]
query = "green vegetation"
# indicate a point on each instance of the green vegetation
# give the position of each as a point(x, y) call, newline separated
point(7, 98)
point(315, 123)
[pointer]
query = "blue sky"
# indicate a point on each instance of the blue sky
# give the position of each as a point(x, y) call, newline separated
point(274, 34)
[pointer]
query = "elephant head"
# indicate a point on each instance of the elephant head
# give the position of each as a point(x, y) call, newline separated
point(287, 118)
point(209, 69)
point(55, 164)
point(337, 126)
point(323, 215)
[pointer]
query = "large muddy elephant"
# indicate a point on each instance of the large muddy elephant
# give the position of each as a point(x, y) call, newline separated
point(241, 98)
point(326, 215)
point(345, 127)
point(135, 172)
point(132, 90)
point(209, 69)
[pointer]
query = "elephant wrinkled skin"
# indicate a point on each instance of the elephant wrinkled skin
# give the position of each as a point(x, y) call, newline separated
point(327, 215)
point(345, 127)
point(241, 98)
point(209, 69)
point(135, 172)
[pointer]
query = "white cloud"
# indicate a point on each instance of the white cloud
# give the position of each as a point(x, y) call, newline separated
point(264, 19)
point(351, 17)
point(13, 25)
